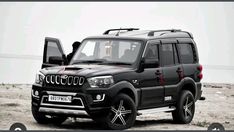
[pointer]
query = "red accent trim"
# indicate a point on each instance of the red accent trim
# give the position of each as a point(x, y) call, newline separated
point(161, 80)
point(181, 75)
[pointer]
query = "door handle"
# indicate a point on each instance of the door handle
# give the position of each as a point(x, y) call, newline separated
point(158, 73)
point(179, 70)
point(159, 77)
point(180, 73)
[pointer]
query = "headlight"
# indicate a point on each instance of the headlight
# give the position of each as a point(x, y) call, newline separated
point(39, 78)
point(101, 81)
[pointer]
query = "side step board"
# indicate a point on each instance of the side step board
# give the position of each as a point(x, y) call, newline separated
point(155, 110)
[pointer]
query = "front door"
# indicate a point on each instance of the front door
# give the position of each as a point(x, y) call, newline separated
point(53, 53)
point(151, 79)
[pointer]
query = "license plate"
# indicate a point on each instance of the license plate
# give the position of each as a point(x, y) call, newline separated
point(53, 98)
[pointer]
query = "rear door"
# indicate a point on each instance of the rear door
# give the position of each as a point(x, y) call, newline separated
point(189, 58)
point(172, 69)
point(53, 53)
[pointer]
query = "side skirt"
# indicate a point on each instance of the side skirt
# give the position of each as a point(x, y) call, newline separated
point(155, 110)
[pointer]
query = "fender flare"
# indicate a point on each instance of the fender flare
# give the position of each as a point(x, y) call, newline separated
point(123, 85)
point(185, 81)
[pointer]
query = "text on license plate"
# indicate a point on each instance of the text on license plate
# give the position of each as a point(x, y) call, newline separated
point(53, 98)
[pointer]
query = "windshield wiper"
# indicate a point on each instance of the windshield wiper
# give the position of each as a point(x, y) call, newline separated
point(90, 61)
point(102, 61)
point(118, 63)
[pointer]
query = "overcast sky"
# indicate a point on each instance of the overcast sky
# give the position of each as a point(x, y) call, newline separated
point(23, 27)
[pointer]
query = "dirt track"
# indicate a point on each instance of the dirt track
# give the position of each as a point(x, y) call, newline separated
point(218, 107)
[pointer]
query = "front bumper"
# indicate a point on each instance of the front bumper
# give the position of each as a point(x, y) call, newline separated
point(82, 104)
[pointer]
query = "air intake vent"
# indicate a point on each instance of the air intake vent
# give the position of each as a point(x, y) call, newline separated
point(65, 80)
point(72, 68)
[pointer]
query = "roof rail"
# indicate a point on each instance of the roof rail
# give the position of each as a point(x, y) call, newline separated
point(127, 29)
point(190, 34)
point(151, 33)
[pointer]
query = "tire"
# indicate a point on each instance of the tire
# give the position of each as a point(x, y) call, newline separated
point(43, 119)
point(185, 108)
point(122, 114)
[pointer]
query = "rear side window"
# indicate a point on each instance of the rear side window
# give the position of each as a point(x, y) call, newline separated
point(186, 53)
point(167, 55)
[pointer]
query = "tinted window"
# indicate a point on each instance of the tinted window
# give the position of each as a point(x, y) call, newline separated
point(151, 51)
point(167, 55)
point(52, 50)
point(186, 53)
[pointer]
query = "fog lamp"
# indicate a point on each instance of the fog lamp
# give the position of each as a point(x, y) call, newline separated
point(36, 93)
point(98, 97)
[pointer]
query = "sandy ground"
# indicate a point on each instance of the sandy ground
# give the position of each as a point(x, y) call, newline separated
point(218, 107)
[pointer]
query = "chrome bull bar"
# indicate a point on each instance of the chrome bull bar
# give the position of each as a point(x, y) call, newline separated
point(63, 111)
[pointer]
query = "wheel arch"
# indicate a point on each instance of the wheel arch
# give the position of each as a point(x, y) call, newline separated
point(128, 92)
point(127, 88)
point(188, 84)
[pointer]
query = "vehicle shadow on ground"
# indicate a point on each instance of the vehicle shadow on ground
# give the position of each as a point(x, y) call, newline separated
point(87, 125)
point(143, 123)
point(91, 125)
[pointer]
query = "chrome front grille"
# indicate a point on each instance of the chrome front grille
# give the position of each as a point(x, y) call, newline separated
point(69, 80)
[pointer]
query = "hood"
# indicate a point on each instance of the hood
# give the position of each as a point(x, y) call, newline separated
point(86, 70)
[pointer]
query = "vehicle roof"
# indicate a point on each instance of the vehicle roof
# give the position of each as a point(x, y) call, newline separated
point(144, 34)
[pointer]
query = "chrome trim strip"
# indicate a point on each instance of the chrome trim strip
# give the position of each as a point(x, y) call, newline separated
point(56, 79)
point(155, 110)
point(63, 111)
point(51, 79)
point(61, 79)
point(66, 106)
point(74, 80)
point(81, 81)
point(80, 100)
point(61, 93)
point(69, 80)
point(47, 77)
point(103, 97)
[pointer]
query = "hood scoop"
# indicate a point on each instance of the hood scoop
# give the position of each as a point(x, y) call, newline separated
point(72, 68)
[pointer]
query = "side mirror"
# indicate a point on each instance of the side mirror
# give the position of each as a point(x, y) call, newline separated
point(150, 63)
point(56, 60)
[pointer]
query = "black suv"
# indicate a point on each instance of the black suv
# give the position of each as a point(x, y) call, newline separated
point(114, 77)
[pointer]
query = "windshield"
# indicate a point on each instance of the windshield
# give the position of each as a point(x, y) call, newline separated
point(107, 52)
